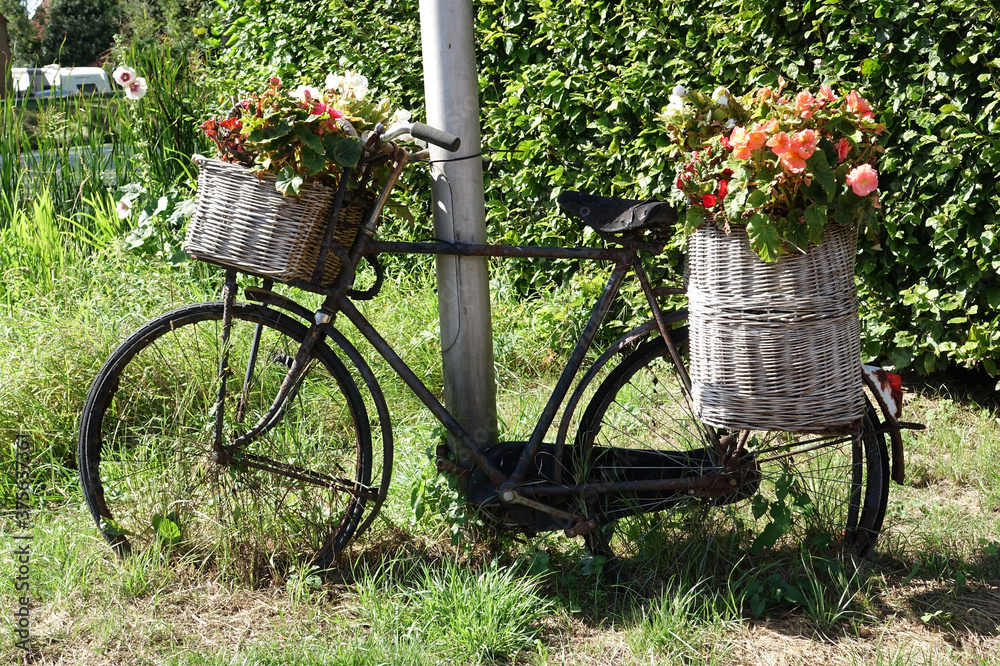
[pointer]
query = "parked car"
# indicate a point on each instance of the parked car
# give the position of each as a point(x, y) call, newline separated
point(56, 81)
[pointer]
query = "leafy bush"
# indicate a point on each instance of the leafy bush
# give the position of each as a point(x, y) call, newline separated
point(570, 93)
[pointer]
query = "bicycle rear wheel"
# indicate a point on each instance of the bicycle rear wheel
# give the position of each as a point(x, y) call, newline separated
point(795, 490)
point(294, 494)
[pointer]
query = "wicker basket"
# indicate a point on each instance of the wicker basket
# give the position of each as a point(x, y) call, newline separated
point(242, 222)
point(774, 346)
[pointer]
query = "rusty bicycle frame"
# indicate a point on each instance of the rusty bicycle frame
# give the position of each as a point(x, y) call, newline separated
point(511, 489)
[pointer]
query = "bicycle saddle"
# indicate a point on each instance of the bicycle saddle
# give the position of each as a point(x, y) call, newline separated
point(612, 215)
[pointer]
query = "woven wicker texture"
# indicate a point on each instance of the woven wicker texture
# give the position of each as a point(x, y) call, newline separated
point(242, 222)
point(774, 346)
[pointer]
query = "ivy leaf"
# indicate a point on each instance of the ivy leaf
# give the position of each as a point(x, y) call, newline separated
point(288, 182)
point(763, 237)
point(816, 218)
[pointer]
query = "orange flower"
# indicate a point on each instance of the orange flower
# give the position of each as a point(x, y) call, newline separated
point(804, 143)
point(826, 94)
point(780, 143)
point(804, 101)
point(859, 104)
point(743, 142)
point(738, 142)
point(843, 149)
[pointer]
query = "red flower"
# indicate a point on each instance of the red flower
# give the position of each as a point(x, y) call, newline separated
point(723, 188)
point(708, 200)
point(679, 183)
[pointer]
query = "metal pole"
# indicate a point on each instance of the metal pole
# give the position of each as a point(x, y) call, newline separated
point(451, 86)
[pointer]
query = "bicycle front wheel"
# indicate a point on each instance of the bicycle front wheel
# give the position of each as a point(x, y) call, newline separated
point(152, 478)
point(795, 490)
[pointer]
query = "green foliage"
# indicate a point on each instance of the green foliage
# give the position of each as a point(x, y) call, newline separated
point(570, 93)
point(22, 35)
point(78, 31)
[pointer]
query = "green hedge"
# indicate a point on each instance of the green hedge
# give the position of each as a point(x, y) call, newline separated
point(570, 91)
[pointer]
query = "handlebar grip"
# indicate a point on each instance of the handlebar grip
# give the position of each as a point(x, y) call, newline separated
point(449, 142)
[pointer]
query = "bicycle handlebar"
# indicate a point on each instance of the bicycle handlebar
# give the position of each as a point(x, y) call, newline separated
point(440, 138)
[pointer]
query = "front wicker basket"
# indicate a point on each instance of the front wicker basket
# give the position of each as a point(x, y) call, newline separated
point(774, 346)
point(242, 222)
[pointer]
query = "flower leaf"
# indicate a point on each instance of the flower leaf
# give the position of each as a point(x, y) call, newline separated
point(311, 139)
point(763, 237)
point(823, 174)
point(346, 151)
point(288, 182)
point(816, 218)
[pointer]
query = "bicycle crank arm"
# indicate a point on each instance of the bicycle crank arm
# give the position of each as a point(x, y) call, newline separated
point(578, 524)
point(304, 475)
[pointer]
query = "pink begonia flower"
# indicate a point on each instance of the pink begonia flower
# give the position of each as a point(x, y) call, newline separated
point(137, 89)
point(780, 143)
point(804, 143)
point(804, 101)
point(843, 149)
point(826, 94)
point(863, 180)
point(742, 142)
point(770, 127)
point(859, 104)
point(123, 75)
point(793, 162)
point(123, 209)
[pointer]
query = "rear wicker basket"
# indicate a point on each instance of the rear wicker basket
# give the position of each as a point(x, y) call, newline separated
point(774, 346)
point(242, 222)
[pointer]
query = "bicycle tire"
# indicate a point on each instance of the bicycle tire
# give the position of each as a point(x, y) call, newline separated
point(145, 445)
point(817, 498)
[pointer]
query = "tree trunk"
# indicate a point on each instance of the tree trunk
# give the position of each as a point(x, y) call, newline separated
point(5, 58)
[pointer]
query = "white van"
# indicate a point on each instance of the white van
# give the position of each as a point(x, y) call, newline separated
point(56, 81)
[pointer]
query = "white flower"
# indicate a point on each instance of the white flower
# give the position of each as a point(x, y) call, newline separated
point(334, 81)
point(124, 208)
point(137, 88)
point(401, 116)
point(355, 85)
point(721, 96)
point(678, 91)
point(123, 75)
point(302, 93)
point(730, 124)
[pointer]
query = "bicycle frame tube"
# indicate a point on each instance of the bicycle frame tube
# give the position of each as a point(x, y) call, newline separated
point(624, 259)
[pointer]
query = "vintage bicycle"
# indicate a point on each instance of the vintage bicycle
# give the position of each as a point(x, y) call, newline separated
point(253, 426)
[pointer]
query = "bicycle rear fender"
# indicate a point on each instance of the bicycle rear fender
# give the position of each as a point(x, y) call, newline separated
point(888, 392)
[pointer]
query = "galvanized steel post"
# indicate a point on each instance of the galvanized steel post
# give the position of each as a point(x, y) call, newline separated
point(451, 86)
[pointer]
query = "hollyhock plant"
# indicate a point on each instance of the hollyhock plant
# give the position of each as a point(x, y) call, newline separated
point(782, 164)
point(298, 136)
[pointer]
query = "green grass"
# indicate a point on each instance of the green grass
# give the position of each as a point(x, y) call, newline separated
point(430, 584)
